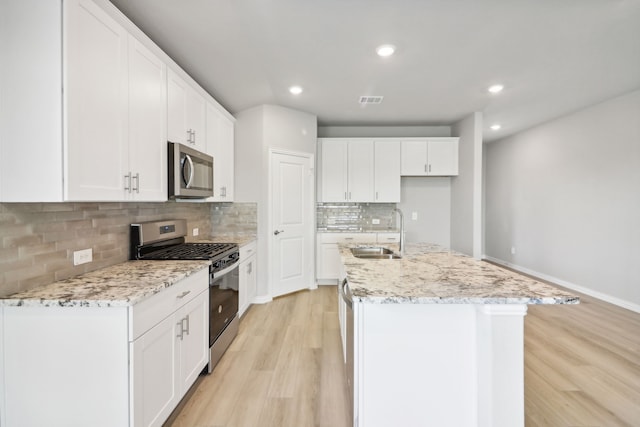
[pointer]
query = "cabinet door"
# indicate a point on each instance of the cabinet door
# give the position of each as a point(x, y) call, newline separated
point(360, 182)
point(177, 109)
point(387, 171)
point(247, 283)
point(220, 145)
point(192, 321)
point(414, 158)
point(196, 118)
point(442, 156)
point(97, 102)
point(155, 374)
point(334, 172)
point(329, 265)
point(147, 124)
point(252, 280)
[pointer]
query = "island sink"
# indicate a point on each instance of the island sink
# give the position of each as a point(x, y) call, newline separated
point(374, 253)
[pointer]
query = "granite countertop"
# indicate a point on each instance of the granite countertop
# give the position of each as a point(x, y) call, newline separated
point(430, 274)
point(121, 285)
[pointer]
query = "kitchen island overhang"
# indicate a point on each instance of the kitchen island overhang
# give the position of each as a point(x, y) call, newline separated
point(438, 338)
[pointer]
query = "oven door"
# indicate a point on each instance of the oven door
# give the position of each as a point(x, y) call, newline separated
point(223, 300)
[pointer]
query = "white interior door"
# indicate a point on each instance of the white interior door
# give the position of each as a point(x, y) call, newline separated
point(292, 222)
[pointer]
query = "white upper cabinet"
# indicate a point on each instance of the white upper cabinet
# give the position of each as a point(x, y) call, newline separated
point(220, 145)
point(96, 101)
point(147, 124)
point(187, 113)
point(84, 105)
point(360, 167)
point(387, 171)
point(359, 170)
point(116, 137)
point(346, 171)
point(430, 157)
point(333, 169)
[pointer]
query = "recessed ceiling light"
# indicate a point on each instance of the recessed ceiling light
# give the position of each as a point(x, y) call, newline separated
point(495, 127)
point(296, 90)
point(385, 50)
point(496, 88)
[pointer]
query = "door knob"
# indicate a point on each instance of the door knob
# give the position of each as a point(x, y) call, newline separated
point(278, 232)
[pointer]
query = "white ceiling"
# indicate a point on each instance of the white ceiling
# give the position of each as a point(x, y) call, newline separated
point(553, 56)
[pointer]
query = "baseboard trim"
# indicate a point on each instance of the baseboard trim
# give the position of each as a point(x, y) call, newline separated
point(263, 299)
point(599, 295)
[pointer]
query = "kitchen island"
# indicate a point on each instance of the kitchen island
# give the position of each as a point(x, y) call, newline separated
point(436, 338)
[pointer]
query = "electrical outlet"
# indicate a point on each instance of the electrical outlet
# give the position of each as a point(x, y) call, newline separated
point(375, 221)
point(414, 216)
point(82, 257)
point(513, 250)
point(196, 231)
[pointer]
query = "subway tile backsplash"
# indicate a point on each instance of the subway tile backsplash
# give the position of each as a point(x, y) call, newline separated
point(355, 216)
point(37, 240)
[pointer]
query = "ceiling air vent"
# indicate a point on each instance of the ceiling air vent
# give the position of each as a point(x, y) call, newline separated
point(368, 100)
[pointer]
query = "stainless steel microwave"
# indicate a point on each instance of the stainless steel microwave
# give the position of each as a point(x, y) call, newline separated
point(190, 173)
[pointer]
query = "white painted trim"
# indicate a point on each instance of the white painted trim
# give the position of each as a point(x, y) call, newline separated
point(262, 299)
point(599, 295)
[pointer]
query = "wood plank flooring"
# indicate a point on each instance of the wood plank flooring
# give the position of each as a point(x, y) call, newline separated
point(284, 369)
point(582, 368)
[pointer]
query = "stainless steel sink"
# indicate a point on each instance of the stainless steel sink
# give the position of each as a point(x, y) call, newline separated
point(374, 253)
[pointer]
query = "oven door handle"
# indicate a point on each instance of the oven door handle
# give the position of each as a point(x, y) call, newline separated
point(229, 269)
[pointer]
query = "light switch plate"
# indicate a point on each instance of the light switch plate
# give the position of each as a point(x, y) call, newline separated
point(196, 231)
point(414, 216)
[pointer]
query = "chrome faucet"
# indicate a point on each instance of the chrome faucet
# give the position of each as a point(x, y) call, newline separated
point(401, 230)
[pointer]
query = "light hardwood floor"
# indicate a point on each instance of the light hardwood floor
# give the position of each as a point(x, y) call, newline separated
point(582, 368)
point(284, 369)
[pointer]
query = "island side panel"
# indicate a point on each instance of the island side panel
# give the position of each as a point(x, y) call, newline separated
point(65, 366)
point(500, 365)
point(416, 364)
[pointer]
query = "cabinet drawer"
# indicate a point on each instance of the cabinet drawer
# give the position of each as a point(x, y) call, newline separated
point(347, 237)
point(152, 310)
point(247, 250)
point(388, 237)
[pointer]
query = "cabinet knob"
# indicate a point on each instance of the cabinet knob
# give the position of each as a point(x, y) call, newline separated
point(278, 232)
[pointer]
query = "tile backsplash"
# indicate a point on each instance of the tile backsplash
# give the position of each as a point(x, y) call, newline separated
point(37, 240)
point(238, 218)
point(355, 216)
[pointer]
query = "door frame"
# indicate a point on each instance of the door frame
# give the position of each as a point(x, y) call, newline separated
point(312, 209)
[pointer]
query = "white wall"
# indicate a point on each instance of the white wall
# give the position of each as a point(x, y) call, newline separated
point(466, 188)
point(566, 196)
point(257, 130)
point(430, 198)
point(381, 131)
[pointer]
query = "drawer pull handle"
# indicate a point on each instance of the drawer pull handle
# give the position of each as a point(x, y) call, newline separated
point(184, 294)
point(219, 309)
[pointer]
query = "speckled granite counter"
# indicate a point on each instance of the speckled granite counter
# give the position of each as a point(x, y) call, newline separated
point(120, 285)
point(430, 274)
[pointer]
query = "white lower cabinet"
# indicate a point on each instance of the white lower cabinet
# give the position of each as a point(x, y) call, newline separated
point(103, 366)
point(328, 262)
point(167, 360)
point(248, 278)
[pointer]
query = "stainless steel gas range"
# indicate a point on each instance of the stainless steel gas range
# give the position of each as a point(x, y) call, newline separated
point(165, 240)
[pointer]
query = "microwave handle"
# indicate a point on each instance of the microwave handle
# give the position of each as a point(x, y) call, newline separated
point(187, 158)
